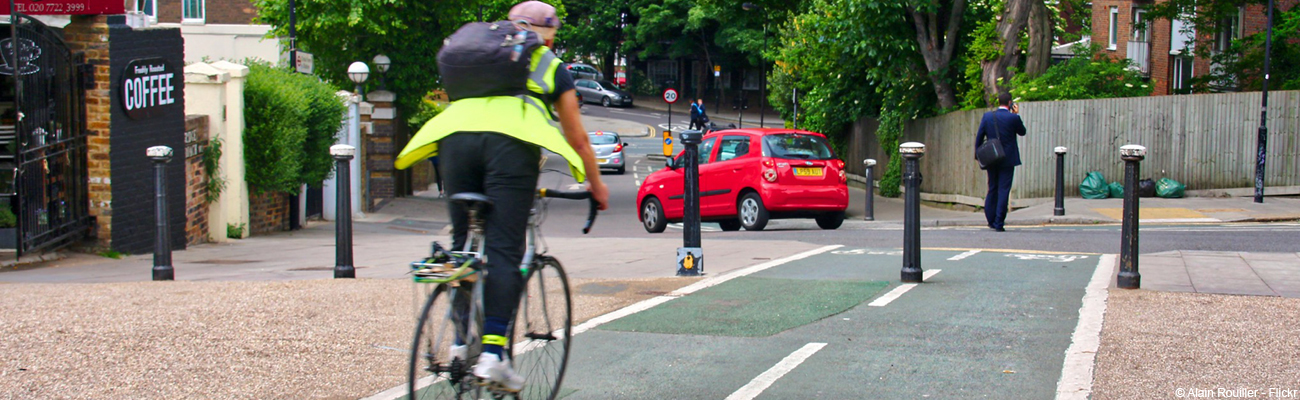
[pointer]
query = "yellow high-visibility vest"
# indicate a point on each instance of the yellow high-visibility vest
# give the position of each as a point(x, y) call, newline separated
point(523, 117)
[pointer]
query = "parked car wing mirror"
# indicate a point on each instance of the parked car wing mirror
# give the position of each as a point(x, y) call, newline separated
point(670, 164)
point(625, 144)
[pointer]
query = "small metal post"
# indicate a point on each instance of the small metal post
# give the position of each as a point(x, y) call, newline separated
point(162, 250)
point(343, 221)
point(912, 152)
point(1129, 278)
point(1060, 182)
point(871, 188)
point(690, 257)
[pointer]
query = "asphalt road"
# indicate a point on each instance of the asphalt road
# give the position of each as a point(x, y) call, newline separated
point(621, 219)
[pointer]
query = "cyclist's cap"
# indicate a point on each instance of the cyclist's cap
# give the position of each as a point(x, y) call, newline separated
point(536, 13)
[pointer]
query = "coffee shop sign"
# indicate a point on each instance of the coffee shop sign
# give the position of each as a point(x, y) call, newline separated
point(148, 88)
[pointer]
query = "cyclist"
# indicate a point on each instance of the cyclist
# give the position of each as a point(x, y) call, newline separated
point(492, 145)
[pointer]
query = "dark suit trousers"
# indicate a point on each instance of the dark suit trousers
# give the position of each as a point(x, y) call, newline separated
point(506, 170)
point(995, 203)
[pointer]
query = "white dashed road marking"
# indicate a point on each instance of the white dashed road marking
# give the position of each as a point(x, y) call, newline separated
point(964, 255)
point(898, 291)
point(1076, 373)
point(762, 382)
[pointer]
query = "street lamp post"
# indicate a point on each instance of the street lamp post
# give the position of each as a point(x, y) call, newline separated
point(1262, 140)
point(382, 62)
point(357, 72)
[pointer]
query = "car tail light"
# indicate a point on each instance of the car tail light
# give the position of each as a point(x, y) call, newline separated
point(767, 162)
point(844, 178)
point(769, 174)
point(618, 148)
point(839, 164)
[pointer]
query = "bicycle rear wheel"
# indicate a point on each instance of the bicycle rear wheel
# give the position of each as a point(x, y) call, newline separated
point(541, 332)
point(433, 373)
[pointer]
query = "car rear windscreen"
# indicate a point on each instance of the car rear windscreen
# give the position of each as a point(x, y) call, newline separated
point(797, 146)
point(606, 138)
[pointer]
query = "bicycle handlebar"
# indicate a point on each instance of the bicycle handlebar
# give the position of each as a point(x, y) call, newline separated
point(574, 195)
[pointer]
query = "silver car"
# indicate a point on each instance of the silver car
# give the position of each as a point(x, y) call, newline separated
point(603, 92)
point(584, 71)
point(609, 150)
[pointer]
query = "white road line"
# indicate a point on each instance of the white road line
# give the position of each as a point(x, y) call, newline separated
point(638, 183)
point(898, 291)
point(1076, 371)
point(694, 287)
point(964, 255)
point(636, 176)
point(787, 364)
point(399, 391)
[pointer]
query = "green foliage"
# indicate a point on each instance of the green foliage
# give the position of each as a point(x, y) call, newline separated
point(429, 108)
point(983, 44)
point(410, 33)
point(114, 254)
point(291, 120)
point(1242, 66)
point(7, 217)
point(1086, 76)
point(639, 84)
point(235, 231)
point(212, 168)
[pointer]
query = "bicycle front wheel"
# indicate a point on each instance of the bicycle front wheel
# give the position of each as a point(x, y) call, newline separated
point(439, 368)
point(541, 332)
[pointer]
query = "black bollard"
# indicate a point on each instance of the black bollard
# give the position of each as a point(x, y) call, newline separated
point(912, 152)
point(162, 249)
point(343, 217)
point(1059, 210)
point(871, 188)
point(690, 257)
point(1129, 278)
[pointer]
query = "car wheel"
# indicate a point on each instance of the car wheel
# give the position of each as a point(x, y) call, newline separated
point(831, 220)
point(729, 225)
point(753, 216)
point(604, 101)
point(652, 215)
point(621, 170)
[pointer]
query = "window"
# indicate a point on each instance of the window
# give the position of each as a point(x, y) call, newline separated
point(192, 10)
point(1141, 27)
point(797, 146)
point(662, 71)
point(1182, 74)
point(733, 147)
point(1114, 28)
point(706, 149)
point(148, 7)
point(751, 80)
point(1229, 29)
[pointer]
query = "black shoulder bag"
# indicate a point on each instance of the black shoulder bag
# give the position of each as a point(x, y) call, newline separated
point(991, 152)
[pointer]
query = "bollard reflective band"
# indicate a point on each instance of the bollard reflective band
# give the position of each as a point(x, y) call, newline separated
point(496, 340)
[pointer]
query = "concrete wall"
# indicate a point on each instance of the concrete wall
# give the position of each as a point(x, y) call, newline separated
point(234, 43)
point(217, 90)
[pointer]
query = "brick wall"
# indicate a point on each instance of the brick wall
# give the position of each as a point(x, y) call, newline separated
point(196, 179)
point(238, 12)
point(131, 171)
point(268, 212)
point(89, 34)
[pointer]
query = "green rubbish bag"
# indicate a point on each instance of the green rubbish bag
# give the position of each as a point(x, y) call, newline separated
point(1169, 188)
point(1116, 189)
point(1094, 186)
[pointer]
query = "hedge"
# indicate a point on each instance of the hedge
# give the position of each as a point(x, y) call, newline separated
point(291, 121)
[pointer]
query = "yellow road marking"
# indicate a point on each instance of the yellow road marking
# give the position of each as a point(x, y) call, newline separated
point(1006, 250)
point(1152, 213)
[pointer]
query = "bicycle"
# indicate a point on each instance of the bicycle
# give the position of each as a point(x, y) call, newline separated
point(539, 334)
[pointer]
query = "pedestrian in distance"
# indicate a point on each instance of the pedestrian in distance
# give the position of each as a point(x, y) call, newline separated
point(1003, 124)
point(490, 141)
point(704, 115)
point(695, 116)
point(437, 176)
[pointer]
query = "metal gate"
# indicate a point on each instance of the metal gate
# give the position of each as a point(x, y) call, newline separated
point(50, 180)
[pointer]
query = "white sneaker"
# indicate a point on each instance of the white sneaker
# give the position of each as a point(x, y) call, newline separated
point(458, 351)
point(492, 369)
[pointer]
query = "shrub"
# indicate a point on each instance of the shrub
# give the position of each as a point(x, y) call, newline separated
point(1088, 75)
point(291, 120)
point(429, 108)
point(7, 217)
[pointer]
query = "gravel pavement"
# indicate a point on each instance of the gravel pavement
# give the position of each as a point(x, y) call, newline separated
point(1167, 345)
point(305, 339)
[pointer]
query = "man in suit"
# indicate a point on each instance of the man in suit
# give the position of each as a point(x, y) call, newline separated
point(1003, 124)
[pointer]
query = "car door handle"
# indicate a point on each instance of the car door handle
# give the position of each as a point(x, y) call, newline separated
point(736, 169)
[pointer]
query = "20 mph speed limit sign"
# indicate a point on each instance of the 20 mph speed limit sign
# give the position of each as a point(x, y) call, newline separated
point(670, 96)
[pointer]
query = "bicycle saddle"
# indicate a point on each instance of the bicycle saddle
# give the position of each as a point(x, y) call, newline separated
point(473, 200)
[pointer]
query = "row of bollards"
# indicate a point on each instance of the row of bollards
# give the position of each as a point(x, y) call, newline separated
point(1132, 154)
point(162, 254)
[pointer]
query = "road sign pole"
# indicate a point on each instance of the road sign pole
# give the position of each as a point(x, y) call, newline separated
point(690, 257)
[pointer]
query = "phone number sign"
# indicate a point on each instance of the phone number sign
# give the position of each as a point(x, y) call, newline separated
point(70, 7)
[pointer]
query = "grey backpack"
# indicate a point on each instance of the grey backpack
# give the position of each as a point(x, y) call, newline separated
point(485, 59)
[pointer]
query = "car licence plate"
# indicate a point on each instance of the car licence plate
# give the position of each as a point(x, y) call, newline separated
point(603, 160)
point(813, 171)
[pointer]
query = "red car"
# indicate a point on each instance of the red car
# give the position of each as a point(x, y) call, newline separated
point(749, 176)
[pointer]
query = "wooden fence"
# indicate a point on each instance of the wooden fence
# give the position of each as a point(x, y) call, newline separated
point(1205, 141)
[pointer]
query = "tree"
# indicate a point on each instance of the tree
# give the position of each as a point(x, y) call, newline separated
point(410, 33)
point(1240, 67)
point(595, 28)
point(937, 37)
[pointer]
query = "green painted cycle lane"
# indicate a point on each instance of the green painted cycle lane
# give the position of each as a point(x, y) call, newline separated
point(991, 324)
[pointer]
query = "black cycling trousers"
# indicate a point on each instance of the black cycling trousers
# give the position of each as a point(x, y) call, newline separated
point(505, 169)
